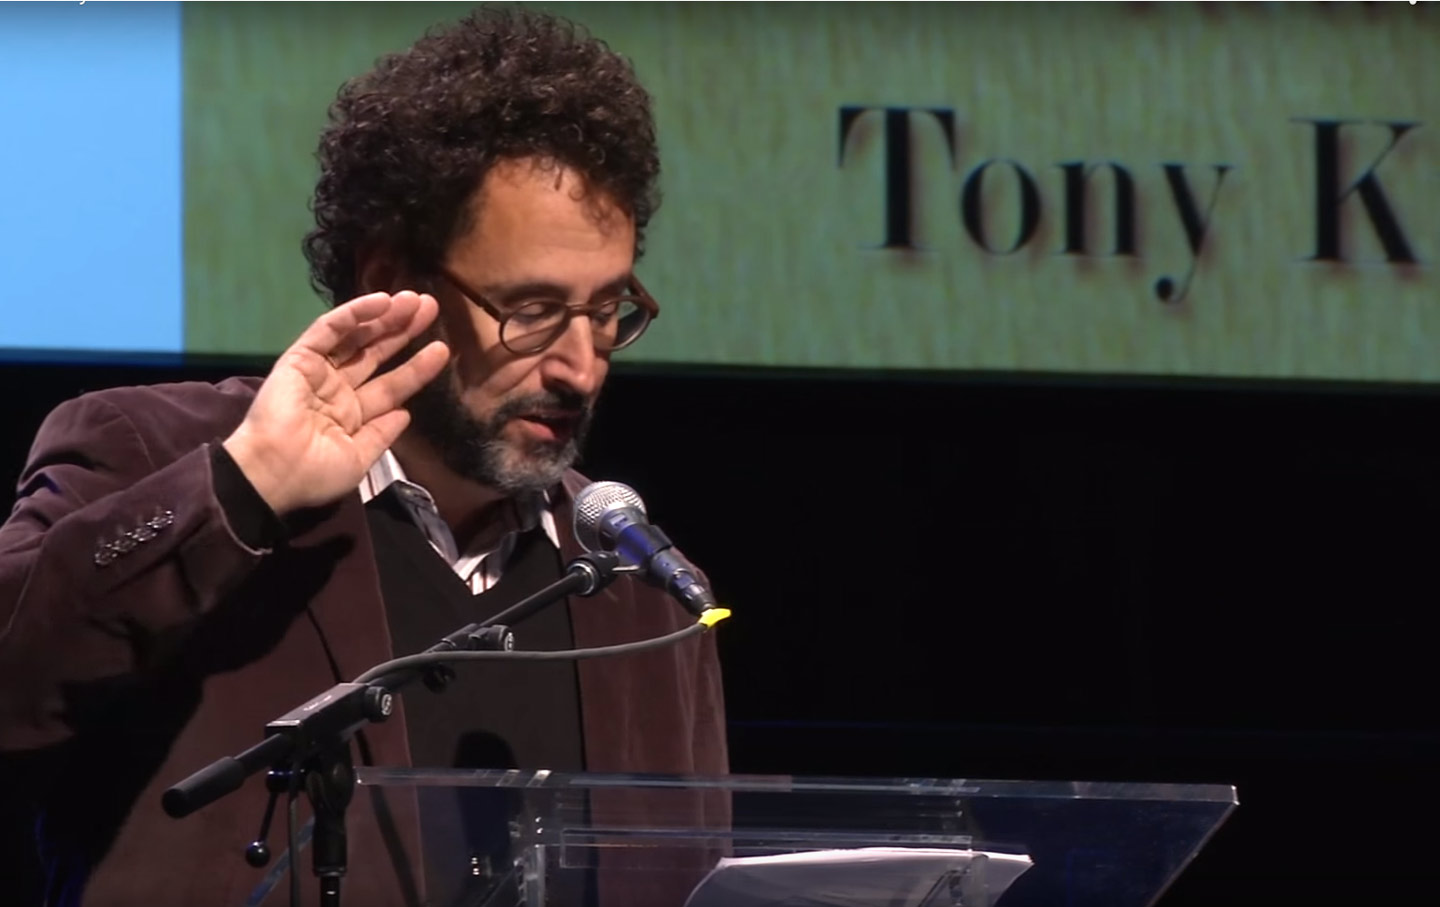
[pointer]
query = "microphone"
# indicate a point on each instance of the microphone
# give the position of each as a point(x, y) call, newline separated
point(610, 516)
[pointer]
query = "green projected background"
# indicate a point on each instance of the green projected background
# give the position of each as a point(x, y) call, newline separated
point(1293, 145)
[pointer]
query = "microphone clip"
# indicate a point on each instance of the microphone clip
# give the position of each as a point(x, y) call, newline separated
point(597, 569)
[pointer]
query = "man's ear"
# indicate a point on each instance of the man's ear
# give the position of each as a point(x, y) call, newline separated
point(378, 271)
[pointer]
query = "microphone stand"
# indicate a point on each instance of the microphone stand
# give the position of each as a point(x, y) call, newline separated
point(309, 747)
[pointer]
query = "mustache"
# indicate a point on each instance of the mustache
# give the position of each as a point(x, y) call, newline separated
point(545, 401)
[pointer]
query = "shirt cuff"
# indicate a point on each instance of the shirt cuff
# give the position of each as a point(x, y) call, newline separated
point(250, 518)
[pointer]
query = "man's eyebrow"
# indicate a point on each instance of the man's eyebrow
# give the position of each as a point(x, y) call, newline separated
point(545, 289)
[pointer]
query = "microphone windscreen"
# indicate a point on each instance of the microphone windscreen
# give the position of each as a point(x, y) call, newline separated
point(592, 504)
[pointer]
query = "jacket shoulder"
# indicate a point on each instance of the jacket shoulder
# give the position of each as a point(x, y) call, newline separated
point(169, 419)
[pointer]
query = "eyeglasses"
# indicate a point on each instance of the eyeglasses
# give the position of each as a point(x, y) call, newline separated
point(530, 327)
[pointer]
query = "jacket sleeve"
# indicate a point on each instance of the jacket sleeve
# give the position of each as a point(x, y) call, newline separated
point(105, 553)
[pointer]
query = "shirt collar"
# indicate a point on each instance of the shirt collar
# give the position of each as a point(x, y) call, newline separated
point(534, 509)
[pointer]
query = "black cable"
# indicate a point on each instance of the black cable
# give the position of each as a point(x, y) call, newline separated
point(429, 658)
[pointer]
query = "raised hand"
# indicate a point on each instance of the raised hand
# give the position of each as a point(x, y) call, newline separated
point(323, 417)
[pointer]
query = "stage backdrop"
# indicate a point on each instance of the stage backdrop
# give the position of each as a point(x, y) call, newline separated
point(1230, 189)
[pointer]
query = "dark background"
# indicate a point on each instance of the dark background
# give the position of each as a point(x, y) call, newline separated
point(1049, 577)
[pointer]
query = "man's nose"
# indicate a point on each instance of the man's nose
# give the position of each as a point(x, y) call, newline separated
point(572, 359)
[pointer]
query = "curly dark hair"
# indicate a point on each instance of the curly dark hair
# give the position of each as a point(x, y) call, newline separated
point(409, 142)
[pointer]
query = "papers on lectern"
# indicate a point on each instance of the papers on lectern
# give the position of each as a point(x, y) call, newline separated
point(863, 877)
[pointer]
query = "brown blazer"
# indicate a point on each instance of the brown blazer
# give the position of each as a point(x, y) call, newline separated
point(125, 667)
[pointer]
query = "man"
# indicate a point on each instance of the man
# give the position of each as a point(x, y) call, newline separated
point(186, 563)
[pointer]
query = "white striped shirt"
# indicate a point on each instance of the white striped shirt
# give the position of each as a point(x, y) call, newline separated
point(480, 569)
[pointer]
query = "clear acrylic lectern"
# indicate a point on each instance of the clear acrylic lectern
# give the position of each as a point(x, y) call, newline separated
point(527, 839)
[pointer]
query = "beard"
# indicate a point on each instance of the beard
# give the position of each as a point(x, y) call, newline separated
point(476, 448)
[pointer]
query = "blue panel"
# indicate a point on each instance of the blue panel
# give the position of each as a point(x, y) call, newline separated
point(91, 243)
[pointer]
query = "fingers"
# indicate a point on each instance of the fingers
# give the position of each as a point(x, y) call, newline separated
point(326, 333)
point(361, 334)
point(390, 391)
point(374, 342)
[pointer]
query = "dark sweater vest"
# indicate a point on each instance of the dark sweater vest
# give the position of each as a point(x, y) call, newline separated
point(495, 715)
